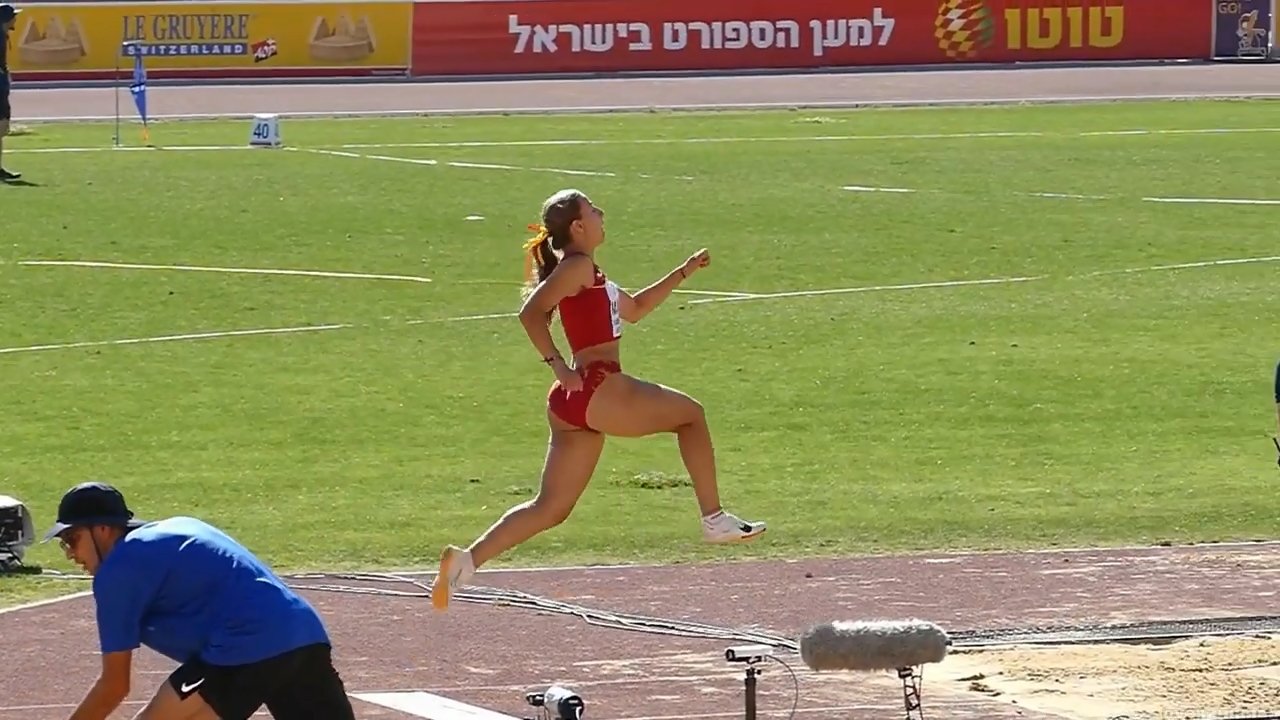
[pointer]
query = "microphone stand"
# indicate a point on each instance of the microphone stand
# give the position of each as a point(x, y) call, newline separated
point(749, 686)
point(748, 656)
point(911, 692)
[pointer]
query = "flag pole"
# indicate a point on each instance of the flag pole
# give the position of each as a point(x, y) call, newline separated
point(115, 90)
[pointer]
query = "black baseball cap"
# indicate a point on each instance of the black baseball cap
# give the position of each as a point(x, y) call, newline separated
point(8, 12)
point(92, 503)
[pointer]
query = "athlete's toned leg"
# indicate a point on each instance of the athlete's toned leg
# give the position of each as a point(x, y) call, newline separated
point(625, 406)
point(572, 455)
point(166, 704)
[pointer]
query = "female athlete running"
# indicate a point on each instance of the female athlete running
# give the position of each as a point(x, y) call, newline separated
point(593, 398)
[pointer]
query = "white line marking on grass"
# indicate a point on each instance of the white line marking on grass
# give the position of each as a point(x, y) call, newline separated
point(1065, 196)
point(41, 603)
point(369, 156)
point(866, 188)
point(689, 141)
point(169, 338)
point(712, 292)
point(497, 166)
point(499, 316)
point(649, 107)
point(1075, 196)
point(396, 158)
point(1191, 131)
point(1184, 266)
point(987, 281)
point(390, 158)
point(1213, 201)
point(336, 153)
point(463, 318)
point(724, 298)
point(249, 271)
point(660, 141)
point(279, 271)
point(140, 148)
point(461, 164)
point(869, 288)
point(241, 333)
point(803, 138)
point(1101, 133)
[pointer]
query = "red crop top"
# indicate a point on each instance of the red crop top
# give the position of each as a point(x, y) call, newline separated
point(591, 316)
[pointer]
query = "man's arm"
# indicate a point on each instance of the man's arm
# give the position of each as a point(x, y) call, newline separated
point(110, 690)
point(122, 590)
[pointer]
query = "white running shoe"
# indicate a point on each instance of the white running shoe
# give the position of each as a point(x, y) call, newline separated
point(723, 527)
point(456, 569)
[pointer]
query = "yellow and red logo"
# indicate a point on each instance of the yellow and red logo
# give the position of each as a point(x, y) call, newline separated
point(963, 27)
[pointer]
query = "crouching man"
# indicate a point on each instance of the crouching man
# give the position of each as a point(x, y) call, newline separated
point(188, 591)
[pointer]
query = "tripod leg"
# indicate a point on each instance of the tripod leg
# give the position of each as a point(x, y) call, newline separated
point(911, 694)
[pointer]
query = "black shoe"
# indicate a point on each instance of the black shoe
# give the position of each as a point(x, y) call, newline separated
point(7, 176)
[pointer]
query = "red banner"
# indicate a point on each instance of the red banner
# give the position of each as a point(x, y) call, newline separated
point(552, 36)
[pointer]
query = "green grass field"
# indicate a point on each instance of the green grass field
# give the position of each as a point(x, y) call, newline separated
point(1079, 407)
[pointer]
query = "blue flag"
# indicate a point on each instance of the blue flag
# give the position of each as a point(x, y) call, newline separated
point(139, 90)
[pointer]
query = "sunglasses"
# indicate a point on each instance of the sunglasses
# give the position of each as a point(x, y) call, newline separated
point(67, 538)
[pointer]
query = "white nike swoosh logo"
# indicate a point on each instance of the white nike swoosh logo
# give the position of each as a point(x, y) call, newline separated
point(188, 688)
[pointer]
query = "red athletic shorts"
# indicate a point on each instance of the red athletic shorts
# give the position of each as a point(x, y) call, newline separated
point(572, 407)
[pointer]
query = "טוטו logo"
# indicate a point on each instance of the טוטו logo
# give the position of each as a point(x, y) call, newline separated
point(963, 27)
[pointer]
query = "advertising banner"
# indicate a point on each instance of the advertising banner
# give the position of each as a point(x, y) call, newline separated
point(211, 39)
point(568, 36)
point(1242, 28)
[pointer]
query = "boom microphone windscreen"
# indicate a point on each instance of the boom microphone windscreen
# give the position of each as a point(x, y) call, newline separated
point(872, 645)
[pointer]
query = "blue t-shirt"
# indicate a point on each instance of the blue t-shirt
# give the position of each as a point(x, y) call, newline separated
point(185, 589)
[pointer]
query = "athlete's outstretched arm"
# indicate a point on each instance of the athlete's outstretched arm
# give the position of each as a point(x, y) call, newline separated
point(571, 275)
point(634, 308)
point(110, 690)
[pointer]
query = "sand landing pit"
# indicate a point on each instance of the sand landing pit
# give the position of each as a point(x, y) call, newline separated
point(1196, 678)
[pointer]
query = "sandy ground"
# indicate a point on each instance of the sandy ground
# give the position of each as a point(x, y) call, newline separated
point(1230, 676)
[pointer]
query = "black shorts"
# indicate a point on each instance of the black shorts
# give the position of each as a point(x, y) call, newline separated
point(6, 111)
point(298, 685)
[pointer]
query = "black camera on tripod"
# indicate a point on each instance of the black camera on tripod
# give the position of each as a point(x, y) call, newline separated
point(557, 703)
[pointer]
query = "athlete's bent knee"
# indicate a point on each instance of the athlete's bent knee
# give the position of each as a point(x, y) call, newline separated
point(692, 412)
point(551, 511)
